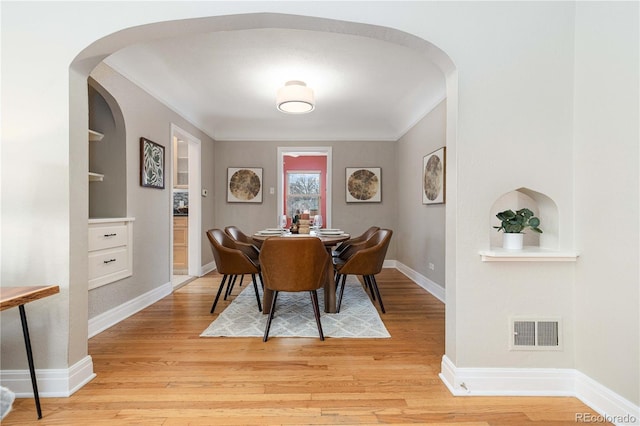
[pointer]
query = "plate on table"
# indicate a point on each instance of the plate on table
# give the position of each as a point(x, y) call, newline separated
point(270, 232)
point(274, 230)
point(330, 232)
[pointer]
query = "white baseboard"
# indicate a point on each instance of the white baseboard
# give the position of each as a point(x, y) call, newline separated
point(539, 382)
point(112, 317)
point(205, 269)
point(610, 405)
point(435, 289)
point(52, 383)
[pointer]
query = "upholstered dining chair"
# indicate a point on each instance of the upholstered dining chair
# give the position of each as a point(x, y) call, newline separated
point(245, 244)
point(341, 250)
point(294, 265)
point(366, 261)
point(231, 262)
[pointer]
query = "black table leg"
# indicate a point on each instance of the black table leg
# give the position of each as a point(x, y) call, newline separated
point(32, 370)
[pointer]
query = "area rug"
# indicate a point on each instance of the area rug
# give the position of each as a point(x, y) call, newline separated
point(358, 318)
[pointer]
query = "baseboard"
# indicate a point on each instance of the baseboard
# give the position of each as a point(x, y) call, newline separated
point(435, 289)
point(539, 382)
point(113, 316)
point(52, 383)
point(205, 269)
point(610, 405)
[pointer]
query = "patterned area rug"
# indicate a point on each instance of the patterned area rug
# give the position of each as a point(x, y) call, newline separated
point(358, 318)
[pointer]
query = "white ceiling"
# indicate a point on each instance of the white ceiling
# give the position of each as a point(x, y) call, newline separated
point(225, 83)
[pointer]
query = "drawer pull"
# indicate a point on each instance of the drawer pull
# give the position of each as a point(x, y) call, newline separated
point(108, 261)
point(110, 235)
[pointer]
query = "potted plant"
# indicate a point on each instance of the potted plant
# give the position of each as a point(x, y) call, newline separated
point(513, 223)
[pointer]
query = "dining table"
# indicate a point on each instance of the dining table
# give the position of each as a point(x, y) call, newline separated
point(330, 239)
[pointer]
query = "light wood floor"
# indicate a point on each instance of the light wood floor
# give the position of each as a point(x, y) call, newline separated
point(153, 369)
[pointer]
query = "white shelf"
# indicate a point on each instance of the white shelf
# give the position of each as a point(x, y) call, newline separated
point(95, 177)
point(95, 136)
point(527, 254)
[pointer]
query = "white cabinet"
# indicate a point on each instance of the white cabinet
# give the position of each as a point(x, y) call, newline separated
point(110, 250)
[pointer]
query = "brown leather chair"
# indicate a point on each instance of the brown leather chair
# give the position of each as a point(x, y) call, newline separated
point(341, 250)
point(248, 246)
point(294, 265)
point(231, 262)
point(244, 242)
point(366, 261)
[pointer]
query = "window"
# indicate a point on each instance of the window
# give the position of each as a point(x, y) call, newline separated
point(309, 160)
point(303, 192)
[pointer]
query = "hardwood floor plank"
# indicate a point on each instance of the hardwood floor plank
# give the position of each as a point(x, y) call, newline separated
point(154, 369)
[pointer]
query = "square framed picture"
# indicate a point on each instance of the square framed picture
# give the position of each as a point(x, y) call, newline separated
point(433, 177)
point(364, 185)
point(151, 164)
point(244, 185)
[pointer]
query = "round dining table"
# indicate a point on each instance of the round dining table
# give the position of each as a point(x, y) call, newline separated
point(329, 241)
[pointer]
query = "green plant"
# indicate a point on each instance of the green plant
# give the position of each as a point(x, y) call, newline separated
point(514, 223)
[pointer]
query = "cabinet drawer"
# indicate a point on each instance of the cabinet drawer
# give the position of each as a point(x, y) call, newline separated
point(108, 266)
point(103, 237)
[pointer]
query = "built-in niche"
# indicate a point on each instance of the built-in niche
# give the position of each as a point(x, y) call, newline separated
point(107, 155)
point(540, 247)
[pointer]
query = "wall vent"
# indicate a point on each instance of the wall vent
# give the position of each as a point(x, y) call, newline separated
point(535, 334)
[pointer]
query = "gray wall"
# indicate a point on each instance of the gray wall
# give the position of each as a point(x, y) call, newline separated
point(146, 117)
point(421, 228)
point(353, 218)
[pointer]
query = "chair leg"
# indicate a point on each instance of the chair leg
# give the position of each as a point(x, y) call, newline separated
point(255, 287)
point(241, 278)
point(215, 302)
point(261, 280)
point(372, 278)
point(230, 285)
point(344, 278)
point(369, 286)
point(273, 309)
point(316, 312)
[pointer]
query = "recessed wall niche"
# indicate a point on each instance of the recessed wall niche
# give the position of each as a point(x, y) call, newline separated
point(542, 206)
point(107, 197)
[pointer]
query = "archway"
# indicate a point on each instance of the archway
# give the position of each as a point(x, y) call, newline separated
point(91, 56)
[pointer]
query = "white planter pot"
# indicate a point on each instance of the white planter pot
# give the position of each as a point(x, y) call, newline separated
point(512, 241)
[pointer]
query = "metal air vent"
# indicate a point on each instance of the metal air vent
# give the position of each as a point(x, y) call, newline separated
point(535, 334)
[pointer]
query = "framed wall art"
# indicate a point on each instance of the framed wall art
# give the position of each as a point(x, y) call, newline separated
point(433, 177)
point(151, 164)
point(364, 185)
point(244, 185)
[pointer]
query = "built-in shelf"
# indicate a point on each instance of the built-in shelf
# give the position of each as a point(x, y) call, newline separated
point(95, 136)
point(527, 254)
point(95, 177)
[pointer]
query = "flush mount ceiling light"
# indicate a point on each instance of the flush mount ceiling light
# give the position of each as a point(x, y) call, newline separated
point(295, 98)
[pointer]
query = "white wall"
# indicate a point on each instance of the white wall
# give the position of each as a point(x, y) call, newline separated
point(514, 130)
point(515, 103)
point(607, 189)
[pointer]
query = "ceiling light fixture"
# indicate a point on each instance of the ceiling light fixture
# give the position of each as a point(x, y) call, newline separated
point(295, 98)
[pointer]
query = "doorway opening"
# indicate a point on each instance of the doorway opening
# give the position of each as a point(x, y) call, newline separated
point(186, 223)
point(304, 182)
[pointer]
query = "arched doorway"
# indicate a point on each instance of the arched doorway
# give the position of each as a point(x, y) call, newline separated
point(92, 55)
